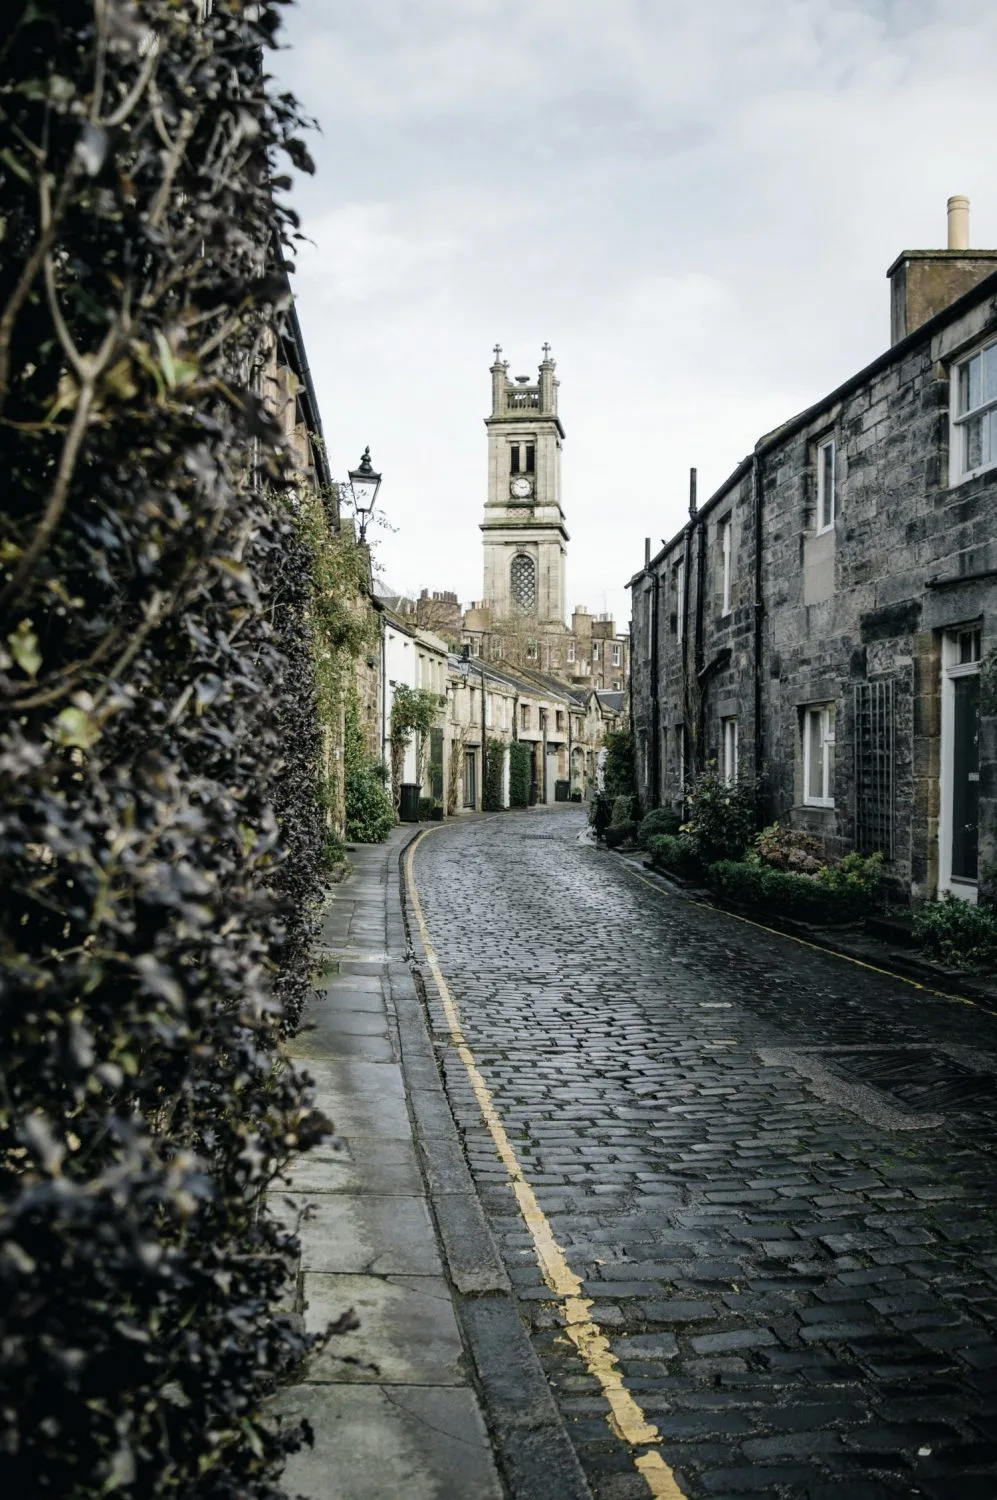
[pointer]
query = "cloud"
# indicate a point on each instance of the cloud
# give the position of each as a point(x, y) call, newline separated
point(695, 204)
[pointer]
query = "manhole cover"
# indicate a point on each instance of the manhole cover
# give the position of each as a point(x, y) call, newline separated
point(920, 1079)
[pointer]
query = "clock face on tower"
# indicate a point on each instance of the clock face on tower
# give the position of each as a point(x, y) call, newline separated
point(521, 488)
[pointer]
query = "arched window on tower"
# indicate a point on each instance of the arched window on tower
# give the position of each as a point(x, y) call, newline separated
point(523, 583)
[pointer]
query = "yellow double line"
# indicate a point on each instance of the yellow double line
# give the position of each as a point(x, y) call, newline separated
point(627, 1419)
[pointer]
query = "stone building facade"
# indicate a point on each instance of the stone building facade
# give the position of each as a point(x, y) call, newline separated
point(829, 616)
point(520, 622)
point(489, 706)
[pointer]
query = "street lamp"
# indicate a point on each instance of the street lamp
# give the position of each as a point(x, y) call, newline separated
point(364, 485)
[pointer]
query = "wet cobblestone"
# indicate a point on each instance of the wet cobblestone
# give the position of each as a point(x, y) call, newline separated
point(802, 1299)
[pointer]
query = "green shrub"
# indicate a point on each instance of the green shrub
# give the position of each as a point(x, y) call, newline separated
point(620, 833)
point(722, 815)
point(805, 897)
point(370, 813)
point(855, 875)
point(673, 855)
point(622, 811)
point(520, 774)
point(957, 933)
point(658, 821)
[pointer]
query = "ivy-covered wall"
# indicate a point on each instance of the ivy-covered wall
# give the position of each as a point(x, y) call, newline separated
point(164, 707)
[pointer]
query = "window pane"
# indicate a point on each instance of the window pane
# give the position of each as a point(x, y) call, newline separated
point(531, 458)
point(990, 373)
point(974, 444)
point(815, 752)
point(974, 382)
point(826, 485)
point(514, 459)
point(829, 756)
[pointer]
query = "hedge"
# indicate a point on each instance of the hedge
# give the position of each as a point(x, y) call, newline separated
point(520, 774)
point(162, 840)
point(491, 790)
point(672, 855)
point(785, 894)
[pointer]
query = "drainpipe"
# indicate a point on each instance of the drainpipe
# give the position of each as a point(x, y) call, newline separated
point(484, 742)
point(687, 703)
point(757, 476)
point(698, 653)
point(384, 692)
point(655, 701)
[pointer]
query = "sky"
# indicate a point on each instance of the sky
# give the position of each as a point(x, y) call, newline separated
point(695, 204)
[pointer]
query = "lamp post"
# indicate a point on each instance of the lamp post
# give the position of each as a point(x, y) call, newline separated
point(364, 485)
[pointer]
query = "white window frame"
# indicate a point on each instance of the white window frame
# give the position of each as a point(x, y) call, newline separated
point(571, 651)
point(726, 548)
point(616, 655)
point(679, 576)
point(827, 714)
point(952, 668)
point(730, 749)
point(826, 513)
point(595, 650)
point(959, 420)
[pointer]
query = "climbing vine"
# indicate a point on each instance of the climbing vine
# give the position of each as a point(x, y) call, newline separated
point(414, 711)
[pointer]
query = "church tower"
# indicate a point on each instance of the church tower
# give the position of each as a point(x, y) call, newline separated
point(525, 539)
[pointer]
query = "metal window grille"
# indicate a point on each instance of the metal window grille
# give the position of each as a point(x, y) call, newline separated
point(874, 768)
point(523, 581)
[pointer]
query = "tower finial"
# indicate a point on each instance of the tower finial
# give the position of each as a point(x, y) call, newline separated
point(498, 353)
point(546, 353)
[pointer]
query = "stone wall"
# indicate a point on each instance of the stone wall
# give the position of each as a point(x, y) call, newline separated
point(867, 601)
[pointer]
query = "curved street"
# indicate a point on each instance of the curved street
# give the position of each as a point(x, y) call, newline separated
point(769, 1168)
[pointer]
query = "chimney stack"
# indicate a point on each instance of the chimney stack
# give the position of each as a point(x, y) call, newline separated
point(958, 208)
point(926, 282)
point(647, 552)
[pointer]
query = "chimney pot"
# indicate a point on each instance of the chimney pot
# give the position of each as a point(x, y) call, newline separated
point(958, 211)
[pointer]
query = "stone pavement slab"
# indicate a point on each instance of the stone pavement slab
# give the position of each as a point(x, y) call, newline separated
point(390, 1442)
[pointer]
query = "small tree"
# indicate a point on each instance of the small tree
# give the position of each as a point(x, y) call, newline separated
point(619, 772)
point(413, 711)
point(457, 747)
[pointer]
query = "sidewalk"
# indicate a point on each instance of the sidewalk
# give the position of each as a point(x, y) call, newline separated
point(438, 1394)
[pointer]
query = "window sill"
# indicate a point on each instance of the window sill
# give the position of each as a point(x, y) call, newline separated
point(962, 479)
point(824, 530)
point(814, 806)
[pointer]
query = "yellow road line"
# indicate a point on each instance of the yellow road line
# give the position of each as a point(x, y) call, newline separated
point(627, 1419)
point(791, 937)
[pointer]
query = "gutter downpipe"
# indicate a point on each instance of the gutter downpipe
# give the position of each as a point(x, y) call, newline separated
point(757, 475)
point(686, 590)
point(699, 653)
point(655, 701)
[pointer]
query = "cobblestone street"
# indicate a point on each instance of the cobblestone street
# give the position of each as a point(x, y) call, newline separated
point(771, 1169)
